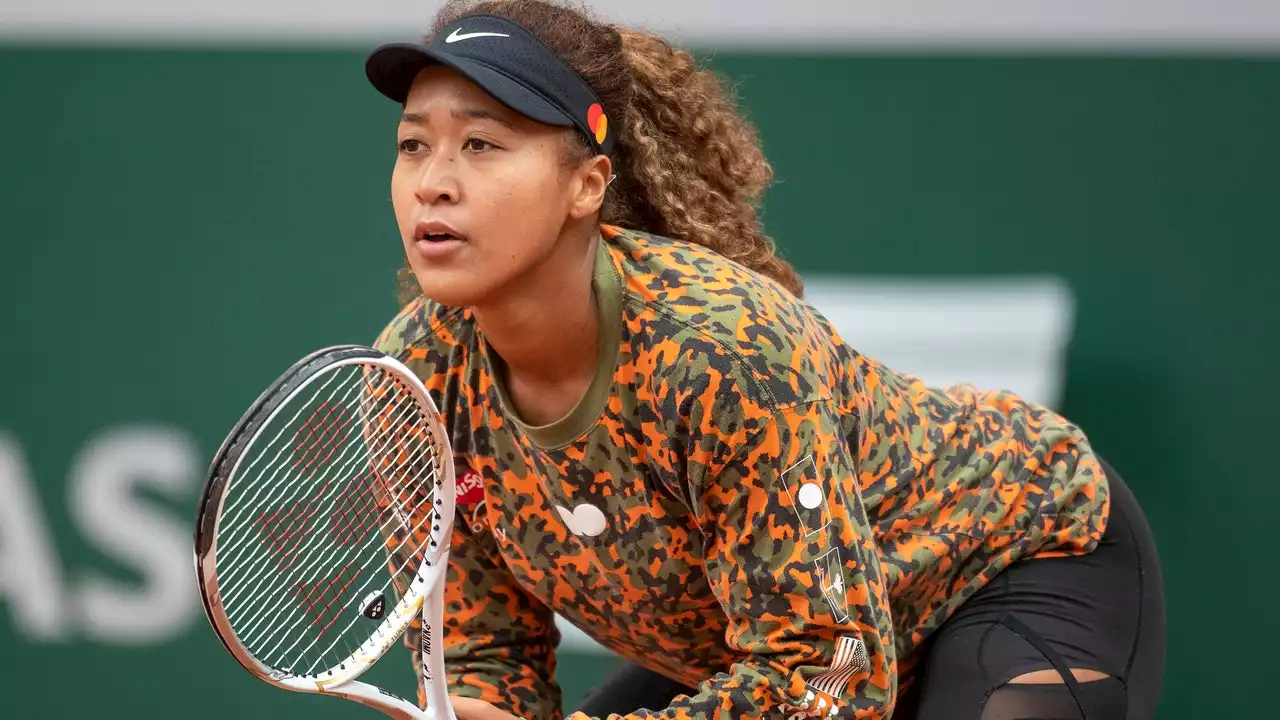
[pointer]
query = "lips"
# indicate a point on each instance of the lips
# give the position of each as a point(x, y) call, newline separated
point(435, 240)
point(435, 231)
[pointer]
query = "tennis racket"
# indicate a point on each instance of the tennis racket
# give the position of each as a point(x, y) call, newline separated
point(325, 526)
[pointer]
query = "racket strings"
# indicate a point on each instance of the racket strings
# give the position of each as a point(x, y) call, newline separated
point(286, 520)
point(307, 550)
point(318, 561)
point(239, 508)
point(235, 507)
point(339, 582)
point(341, 491)
point(339, 534)
point(378, 541)
point(416, 532)
point(352, 505)
point(394, 542)
point(317, 598)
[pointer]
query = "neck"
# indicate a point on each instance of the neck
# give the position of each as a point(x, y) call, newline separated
point(546, 331)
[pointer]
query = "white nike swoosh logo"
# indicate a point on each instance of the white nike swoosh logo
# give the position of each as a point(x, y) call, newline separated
point(458, 35)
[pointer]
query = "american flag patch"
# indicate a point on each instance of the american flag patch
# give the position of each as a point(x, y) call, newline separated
point(851, 659)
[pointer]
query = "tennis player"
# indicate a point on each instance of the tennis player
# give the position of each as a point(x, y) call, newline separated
point(659, 440)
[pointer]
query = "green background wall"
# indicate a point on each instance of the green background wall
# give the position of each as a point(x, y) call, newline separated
point(177, 226)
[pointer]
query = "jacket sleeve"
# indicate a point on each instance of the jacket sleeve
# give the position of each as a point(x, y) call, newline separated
point(791, 559)
point(499, 642)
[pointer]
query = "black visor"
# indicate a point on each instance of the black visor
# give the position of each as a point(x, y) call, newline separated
point(507, 62)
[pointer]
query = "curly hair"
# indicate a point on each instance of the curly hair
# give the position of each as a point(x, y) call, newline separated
point(689, 166)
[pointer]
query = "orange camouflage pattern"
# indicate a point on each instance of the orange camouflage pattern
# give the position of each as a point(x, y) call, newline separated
point(767, 494)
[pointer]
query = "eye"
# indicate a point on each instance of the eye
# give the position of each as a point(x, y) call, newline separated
point(476, 145)
point(409, 146)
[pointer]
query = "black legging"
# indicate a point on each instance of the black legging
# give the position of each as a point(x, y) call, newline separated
point(1103, 611)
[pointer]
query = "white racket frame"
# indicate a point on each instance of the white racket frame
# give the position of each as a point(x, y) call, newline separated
point(425, 592)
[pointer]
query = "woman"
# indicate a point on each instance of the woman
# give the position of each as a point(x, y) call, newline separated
point(659, 440)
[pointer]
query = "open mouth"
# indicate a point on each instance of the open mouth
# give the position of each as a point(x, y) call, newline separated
point(435, 231)
point(436, 239)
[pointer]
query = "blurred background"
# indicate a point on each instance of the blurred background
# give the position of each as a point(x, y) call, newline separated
point(1077, 201)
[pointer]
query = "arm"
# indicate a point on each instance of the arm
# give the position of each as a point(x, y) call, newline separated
point(499, 642)
point(791, 559)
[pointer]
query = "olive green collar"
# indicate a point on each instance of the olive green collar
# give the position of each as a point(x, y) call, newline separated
point(608, 293)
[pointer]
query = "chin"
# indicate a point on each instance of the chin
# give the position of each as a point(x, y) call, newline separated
point(448, 289)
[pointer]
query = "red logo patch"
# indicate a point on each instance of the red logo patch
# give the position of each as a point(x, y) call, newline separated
point(598, 122)
point(470, 488)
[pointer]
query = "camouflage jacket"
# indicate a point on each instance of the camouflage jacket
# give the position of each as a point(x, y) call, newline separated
point(740, 501)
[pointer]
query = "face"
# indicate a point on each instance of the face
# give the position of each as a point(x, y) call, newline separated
point(483, 196)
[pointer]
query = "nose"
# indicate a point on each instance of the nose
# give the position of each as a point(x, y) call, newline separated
point(438, 182)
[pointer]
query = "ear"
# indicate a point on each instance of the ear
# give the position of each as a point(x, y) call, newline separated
point(591, 180)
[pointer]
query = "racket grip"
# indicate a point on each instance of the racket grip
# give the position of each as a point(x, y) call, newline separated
point(435, 683)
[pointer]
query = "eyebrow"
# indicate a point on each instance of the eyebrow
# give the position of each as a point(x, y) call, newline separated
point(472, 113)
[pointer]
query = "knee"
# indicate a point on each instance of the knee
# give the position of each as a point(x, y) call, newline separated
point(1051, 676)
point(1043, 695)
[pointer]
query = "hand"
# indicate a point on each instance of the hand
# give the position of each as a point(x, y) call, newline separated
point(472, 709)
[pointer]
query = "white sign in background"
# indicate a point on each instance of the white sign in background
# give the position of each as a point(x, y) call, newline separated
point(1196, 25)
point(51, 600)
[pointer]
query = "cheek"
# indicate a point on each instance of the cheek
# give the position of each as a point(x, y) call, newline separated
point(525, 200)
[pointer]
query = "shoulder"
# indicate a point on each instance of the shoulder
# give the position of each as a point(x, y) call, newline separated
point(716, 312)
point(427, 336)
point(420, 322)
